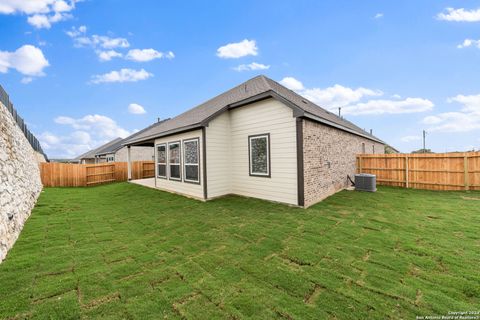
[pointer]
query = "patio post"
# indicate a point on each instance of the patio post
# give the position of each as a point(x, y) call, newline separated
point(129, 164)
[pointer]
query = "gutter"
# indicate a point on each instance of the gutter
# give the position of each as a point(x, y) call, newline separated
point(164, 134)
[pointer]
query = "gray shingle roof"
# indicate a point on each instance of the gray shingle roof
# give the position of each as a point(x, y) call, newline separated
point(119, 143)
point(111, 148)
point(257, 87)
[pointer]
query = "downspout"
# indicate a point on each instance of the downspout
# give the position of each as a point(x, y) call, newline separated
point(204, 162)
point(129, 165)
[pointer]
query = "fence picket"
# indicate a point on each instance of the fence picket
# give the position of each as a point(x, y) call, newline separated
point(81, 175)
point(441, 171)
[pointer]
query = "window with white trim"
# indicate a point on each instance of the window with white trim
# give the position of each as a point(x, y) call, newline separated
point(259, 155)
point(191, 160)
point(162, 160)
point(174, 155)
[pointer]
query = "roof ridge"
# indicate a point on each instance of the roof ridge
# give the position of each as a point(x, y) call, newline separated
point(322, 108)
point(258, 86)
point(225, 93)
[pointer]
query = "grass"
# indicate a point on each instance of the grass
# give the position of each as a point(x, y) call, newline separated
point(125, 251)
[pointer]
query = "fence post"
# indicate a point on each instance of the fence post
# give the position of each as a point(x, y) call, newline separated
point(406, 172)
point(465, 168)
point(129, 164)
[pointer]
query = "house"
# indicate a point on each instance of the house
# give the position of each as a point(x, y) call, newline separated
point(116, 152)
point(259, 140)
point(90, 157)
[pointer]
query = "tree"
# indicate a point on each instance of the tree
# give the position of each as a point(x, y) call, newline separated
point(422, 151)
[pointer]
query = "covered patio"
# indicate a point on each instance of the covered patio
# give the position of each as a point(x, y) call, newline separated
point(148, 182)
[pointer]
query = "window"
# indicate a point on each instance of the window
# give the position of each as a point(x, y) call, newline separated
point(363, 148)
point(174, 161)
point(373, 148)
point(191, 156)
point(162, 160)
point(259, 155)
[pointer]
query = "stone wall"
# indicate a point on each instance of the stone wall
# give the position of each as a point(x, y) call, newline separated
point(329, 156)
point(20, 183)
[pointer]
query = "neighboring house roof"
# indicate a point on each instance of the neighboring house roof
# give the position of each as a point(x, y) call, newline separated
point(112, 148)
point(255, 89)
point(91, 154)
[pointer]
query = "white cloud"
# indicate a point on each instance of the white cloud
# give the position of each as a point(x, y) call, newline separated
point(110, 43)
point(62, 6)
point(143, 55)
point(468, 43)
point(41, 13)
point(76, 32)
point(107, 47)
point(26, 80)
point(338, 96)
point(88, 132)
point(380, 106)
point(96, 41)
point(238, 49)
point(459, 15)
point(470, 103)
point(350, 99)
point(25, 6)
point(123, 75)
point(410, 138)
point(378, 15)
point(28, 60)
point(104, 42)
point(135, 108)
point(292, 84)
point(466, 119)
point(108, 55)
point(98, 125)
point(331, 97)
point(39, 21)
point(251, 66)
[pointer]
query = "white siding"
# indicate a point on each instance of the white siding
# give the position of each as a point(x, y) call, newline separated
point(185, 188)
point(227, 152)
point(218, 156)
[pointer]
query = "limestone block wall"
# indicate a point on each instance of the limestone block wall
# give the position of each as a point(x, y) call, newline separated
point(329, 156)
point(20, 183)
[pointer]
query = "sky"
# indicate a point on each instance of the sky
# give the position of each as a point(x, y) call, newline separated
point(82, 73)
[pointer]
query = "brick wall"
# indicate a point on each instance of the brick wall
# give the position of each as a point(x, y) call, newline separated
point(329, 156)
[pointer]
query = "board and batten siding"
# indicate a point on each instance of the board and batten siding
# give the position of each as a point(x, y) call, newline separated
point(185, 188)
point(228, 157)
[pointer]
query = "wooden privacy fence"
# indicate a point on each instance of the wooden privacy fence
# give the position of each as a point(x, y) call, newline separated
point(441, 171)
point(81, 175)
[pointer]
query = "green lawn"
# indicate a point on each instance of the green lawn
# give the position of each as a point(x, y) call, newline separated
point(125, 251)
